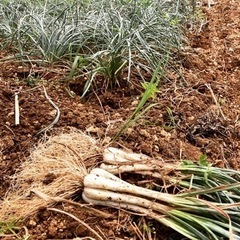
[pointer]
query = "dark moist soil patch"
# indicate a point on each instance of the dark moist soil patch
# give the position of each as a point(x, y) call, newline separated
point(185, 124)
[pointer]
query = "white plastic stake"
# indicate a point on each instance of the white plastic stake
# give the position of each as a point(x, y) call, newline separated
point(17, 121)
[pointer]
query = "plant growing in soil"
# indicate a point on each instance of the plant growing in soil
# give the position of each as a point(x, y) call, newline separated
point(150, 91)
point(113, 37)
point(7, 228)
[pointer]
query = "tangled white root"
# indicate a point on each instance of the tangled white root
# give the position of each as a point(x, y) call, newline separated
point(55, 168)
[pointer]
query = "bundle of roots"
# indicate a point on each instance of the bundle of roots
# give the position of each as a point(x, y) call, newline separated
point(55, 169)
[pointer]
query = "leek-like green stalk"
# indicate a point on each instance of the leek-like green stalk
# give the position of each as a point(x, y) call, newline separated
point(207, 207)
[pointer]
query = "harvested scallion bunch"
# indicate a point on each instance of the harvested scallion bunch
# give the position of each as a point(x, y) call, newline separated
point(205, 207)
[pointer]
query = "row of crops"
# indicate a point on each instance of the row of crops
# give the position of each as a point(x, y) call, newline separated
point(95, 37)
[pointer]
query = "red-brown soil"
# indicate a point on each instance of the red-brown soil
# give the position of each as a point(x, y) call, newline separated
point(195, 125)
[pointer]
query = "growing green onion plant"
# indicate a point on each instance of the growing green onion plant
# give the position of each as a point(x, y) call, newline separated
point(111, 36)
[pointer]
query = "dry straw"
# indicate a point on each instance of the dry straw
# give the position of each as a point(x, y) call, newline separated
point(55, 168)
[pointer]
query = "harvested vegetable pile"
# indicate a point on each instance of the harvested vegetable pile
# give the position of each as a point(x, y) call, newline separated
point(205, 205)
point(198, 201)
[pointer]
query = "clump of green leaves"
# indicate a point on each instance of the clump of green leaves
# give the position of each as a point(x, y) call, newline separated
point(150, 90)
point(111, 36)
point(9, 228)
